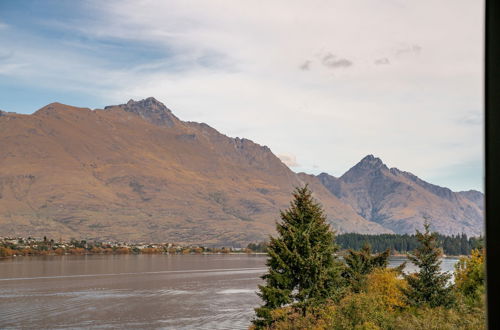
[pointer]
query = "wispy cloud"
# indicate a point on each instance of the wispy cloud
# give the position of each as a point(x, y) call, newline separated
point(305, 66)
point(472, 118)
point(332, 61)
point(382, 61)
point(409, 49)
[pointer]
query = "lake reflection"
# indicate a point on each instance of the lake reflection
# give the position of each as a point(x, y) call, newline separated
point(134, 291)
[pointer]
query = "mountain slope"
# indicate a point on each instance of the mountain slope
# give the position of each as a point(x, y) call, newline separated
point(399, 200)
point(137, 172)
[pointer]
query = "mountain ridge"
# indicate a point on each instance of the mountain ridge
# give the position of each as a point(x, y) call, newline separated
point(375, 192)
point(135, 171)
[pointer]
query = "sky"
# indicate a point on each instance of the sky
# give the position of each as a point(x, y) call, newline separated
point(321, 83)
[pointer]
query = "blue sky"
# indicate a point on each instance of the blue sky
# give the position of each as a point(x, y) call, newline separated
point(322, 83)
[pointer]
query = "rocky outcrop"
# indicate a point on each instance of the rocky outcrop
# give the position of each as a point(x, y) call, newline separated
point(151, 110)
point(474, 196)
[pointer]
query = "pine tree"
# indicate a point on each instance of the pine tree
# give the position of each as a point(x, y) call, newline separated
point(302, 268)
point(361, 263)
point(429, 285)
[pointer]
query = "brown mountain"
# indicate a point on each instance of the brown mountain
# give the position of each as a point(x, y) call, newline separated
point(137, 172)
point(399, 200)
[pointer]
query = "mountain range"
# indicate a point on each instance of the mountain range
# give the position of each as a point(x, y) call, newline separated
point(136, 172)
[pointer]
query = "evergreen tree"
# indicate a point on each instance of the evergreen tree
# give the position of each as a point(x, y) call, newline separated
point(361, 263)
point(464, 245)
point(429, 285)
point(302, 268)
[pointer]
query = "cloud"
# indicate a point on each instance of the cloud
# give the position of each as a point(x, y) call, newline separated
point(382, 61)
point(4, 56)
point(332, 61)
point(9, 63)
point(289, 160)
point(472, 118)
point(409, 49)
point(305, 66)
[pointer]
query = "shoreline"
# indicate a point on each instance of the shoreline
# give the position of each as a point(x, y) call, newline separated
point(181, 254)
point(133, 253)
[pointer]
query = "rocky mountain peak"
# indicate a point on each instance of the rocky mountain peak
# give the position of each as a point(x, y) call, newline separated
point(370, 162)
point(367, 165)
point(150, 109)
point(150, 104)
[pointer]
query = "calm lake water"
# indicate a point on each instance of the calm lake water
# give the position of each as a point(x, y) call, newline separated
point(134, 291)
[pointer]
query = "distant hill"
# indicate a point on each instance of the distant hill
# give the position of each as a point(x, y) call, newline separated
point(137, 172)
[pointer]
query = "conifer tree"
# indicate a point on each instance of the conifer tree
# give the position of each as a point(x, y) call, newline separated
point(428, 286)
point(361, 263)
point(302, 268)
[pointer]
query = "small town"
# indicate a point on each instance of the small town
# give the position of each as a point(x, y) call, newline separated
point(37, 246)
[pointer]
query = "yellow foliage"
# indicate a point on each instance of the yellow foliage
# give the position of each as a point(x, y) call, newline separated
point(198, 250)
point(386, 284)
point(288, 318)
point(96, 250)
point(150, 251)
point(122, 250)
point(77, 251)
point(6, 252)
point(26, 252)
point(470, 274)
point(367, 326)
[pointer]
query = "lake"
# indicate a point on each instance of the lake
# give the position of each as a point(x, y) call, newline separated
point(134, 291)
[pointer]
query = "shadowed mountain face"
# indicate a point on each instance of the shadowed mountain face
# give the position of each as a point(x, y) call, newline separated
point(137, 172)
point(399, 200)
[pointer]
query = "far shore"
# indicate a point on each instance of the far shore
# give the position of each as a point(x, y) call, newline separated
point(89, 253)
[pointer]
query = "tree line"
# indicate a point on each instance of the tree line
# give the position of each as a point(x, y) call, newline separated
point(453, 245)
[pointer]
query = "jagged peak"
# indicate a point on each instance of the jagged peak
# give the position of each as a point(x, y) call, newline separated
point(370, 162)
point(150, 109)
point(150, 104)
